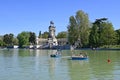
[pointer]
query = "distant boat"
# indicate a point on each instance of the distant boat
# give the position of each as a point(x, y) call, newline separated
point(82, 56)
point(57, 54)
point(79, 58)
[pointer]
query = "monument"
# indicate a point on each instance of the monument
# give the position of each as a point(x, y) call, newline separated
point(52, 41)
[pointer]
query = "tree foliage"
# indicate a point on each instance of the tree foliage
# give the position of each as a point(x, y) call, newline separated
point(94, 36)
point(72, 30)
point(45, 34)
point(2, 44)
point(32, 38)
point(78, 29)
point(107, 34)
point(40, 34)
point(62, 34)
point(117, 36)
point(8, 39)
point(23, 38)
point(102, 33)
point(15, 41)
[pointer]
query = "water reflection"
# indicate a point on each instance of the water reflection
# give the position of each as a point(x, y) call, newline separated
point(101, 69)
point(17, 64)
point(79, 70)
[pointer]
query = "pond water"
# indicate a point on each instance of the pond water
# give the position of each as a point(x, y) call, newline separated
point(25, 64)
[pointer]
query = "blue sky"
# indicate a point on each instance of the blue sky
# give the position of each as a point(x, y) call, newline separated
point(35, 15)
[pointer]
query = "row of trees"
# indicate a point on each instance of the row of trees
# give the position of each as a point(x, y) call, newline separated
point(26, 38)
point(82, 33)
point(23, 39)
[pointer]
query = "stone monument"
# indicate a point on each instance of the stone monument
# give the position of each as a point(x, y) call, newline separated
point(52, 41)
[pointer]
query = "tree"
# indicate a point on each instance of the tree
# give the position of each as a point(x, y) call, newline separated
point(45, 34)
point(99, 26)
point(78, 30)
point(40, 35)
point(8, 39)
point(23, 38)
point(62, 34)
point(94, 36)
point(2, 44)
point(107, 34)
point(72, 31)
point(83, 27)
point(15, 41)
point(117, 36)
point(102, 33)
point(32, 38)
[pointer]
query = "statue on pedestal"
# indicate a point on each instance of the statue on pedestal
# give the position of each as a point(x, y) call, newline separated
point(51, 38)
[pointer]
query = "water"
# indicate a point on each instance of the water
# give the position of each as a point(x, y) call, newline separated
point(20, 64)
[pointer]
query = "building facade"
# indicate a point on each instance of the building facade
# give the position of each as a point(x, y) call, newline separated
point(51, 41)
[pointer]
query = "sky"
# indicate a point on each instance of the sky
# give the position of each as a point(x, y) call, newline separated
point(35, 15)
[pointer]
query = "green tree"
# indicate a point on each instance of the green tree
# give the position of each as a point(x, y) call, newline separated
point(15, 41)
point(2, 44)
point(1, 41)
point(117, 36)
point(99, 23)
point(62, 34)
point(40, 35)
point(78, 29)
point(94, 36)
point(72, 31)
point(45, 34)
point(107, 34)
point(8, 39)
point(23, 38)
point(102, 33)
point(32, 38)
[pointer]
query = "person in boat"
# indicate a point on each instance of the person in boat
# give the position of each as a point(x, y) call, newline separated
point(81, 55)
point(84, 54)
point(58, 53)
